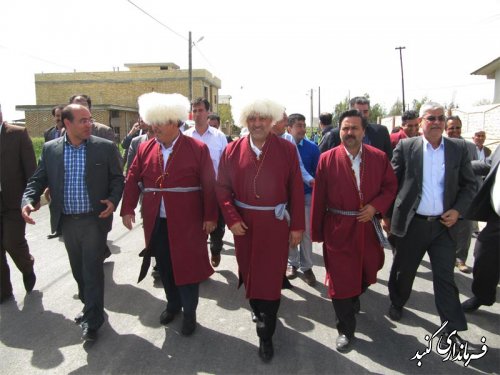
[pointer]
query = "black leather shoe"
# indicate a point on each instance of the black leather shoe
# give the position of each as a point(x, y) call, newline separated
point(395, 313)
point(188, 326)
point(266, 350)
point(78, 318)
point(471, 305)
point(166, 317)
point(54, 235)
point(89, 334)
point(255, 318)
point(29, 281)
point(343, 343)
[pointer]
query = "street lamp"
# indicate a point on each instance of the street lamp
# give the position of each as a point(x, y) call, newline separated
point(402, 76)
point(191, 44)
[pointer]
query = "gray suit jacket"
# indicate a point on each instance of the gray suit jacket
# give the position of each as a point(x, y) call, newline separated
point(481, 208)
point(103, 131)
point(103, 172)
point(459, 185)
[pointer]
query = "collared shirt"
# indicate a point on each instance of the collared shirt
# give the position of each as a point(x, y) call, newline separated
point(215, 140)
point(76, 197)
point(254, 148)
point(480, 154)
point(309, 153)
point(166, 154)
point(433, 173)
point(355, 164)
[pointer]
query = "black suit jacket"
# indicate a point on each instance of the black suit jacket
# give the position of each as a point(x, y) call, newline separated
point(459, 184)
point(103, 172)
point(17, 164)
point(378, 135)
point(481, 208)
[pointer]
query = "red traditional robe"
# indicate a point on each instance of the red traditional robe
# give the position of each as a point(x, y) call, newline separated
point(351, 250)
point(273, 179)
point(189, 165)
point(396, 137)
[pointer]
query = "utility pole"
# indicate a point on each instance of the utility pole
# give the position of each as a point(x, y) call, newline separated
point(190, 68)
point(311, 107)
point(402, 76)
point(319, 107)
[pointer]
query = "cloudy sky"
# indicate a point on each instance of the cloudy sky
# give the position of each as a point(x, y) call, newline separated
point(260, 48)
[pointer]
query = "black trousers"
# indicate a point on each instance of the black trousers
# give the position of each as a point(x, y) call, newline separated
point(217, 235)
point(431, 237)
point(346, 316)
point(486, 270)
point(13, 241)
point(266, 311)
point(85, 241)
point(179, 297)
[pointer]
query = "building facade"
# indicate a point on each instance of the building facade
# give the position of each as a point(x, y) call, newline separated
point(114, 93)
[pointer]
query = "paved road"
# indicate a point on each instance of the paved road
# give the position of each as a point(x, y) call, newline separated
point(37, 333)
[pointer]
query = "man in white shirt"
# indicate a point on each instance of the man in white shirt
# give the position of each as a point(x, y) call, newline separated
point(216, 142)
point(436, 186)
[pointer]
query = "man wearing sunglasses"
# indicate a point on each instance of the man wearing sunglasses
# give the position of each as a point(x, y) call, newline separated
point(463, 227)
point(436, 187)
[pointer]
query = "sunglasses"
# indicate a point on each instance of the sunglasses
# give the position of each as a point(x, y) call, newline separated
point(434, 118)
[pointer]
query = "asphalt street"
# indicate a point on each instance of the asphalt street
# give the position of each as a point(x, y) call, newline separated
point(38, 335)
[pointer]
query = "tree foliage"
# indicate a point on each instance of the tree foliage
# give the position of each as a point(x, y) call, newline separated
point(397, 108)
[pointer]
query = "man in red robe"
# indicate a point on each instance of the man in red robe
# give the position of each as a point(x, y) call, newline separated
point(355, 184)
point(177, 179)
point(260, 192)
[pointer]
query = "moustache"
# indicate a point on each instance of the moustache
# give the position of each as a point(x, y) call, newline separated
point(349, 137)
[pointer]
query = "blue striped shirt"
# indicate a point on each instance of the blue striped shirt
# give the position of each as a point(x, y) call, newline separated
point(76, 197)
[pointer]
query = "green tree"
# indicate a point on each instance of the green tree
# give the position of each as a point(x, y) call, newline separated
point(416, 104)
point(339, 108)
point(376, 112)
point(397, 108)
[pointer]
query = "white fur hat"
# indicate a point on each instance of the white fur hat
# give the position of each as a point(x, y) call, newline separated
point(262, 107)
point(158, 109)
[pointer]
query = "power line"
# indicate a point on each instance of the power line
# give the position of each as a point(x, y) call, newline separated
point(158, 21)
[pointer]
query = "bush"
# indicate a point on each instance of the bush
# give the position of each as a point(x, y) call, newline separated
point(37, 145)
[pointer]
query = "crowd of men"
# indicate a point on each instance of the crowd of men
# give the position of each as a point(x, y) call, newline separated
point(276, 191)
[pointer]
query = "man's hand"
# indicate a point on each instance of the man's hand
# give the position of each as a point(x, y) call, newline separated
point(386, 225)
point(135, 128)
point(449, 218)
point(239, 229)
point(209, 226)
point(366, 213)
point(295, 237)
point(128, 221)
point(110, 208)
point(27, 210)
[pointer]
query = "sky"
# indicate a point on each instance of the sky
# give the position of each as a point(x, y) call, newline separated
point(262, 49)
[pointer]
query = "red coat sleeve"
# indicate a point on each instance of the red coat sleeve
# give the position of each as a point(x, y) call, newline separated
point(224, 191)
point(207, 180)
point(319, 199)
point(383, 201)
point(296, 193)
point(131, 191)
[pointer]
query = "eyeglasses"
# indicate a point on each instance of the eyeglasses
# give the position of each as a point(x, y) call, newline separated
point(434, 118)
point(454, 128)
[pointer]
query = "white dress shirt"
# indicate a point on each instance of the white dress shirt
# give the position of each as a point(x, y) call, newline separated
point(431, 203)
point(215, 140)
